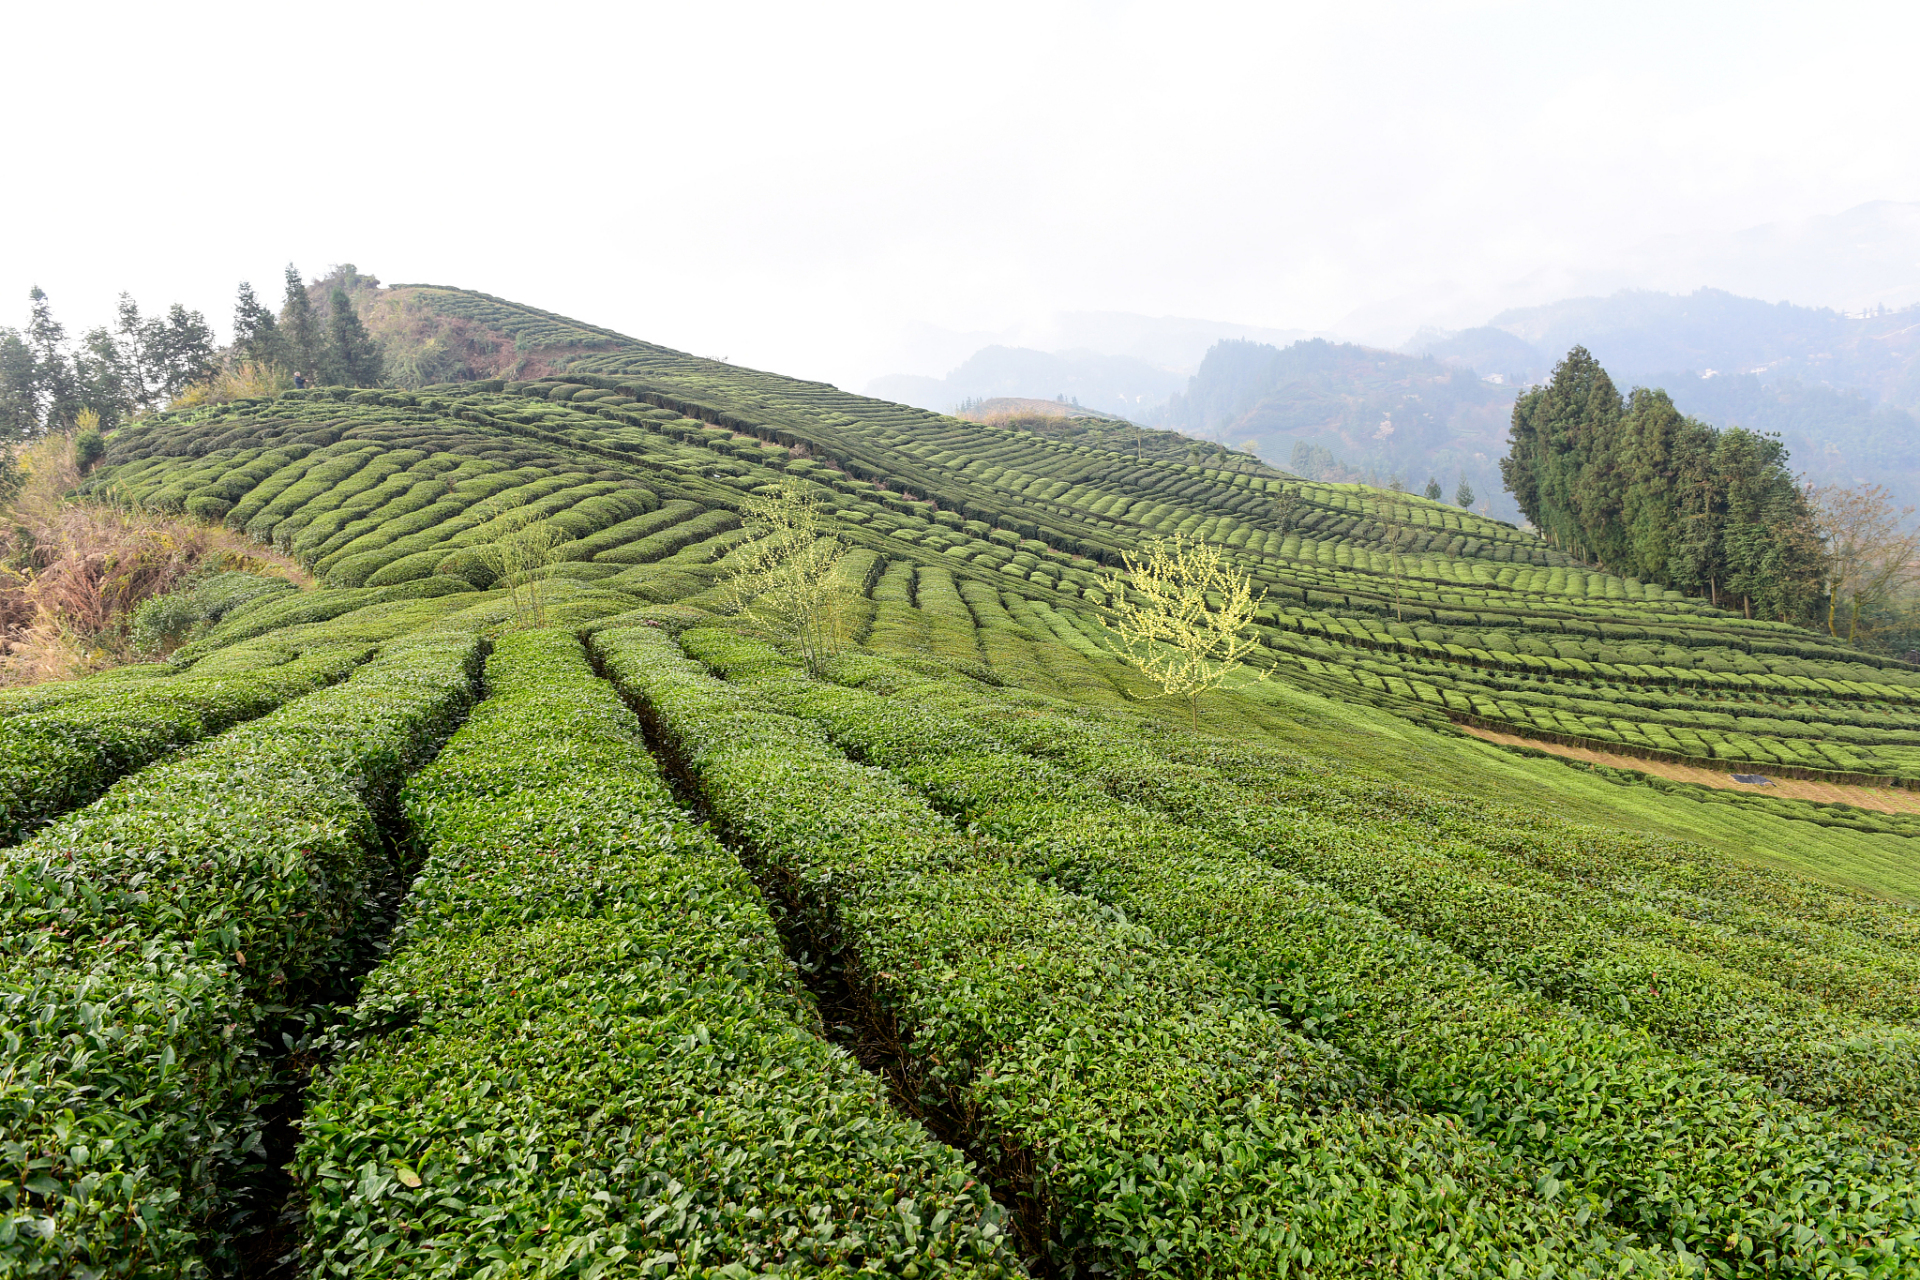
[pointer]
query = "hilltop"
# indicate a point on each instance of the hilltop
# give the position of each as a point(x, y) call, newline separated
point(464, 913)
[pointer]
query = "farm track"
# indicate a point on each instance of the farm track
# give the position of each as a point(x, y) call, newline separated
point(1879, 799)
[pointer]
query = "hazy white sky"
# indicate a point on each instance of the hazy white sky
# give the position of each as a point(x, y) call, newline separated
point(804, 187)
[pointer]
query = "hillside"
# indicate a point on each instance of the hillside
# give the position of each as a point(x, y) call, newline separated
point(623, 945)
point(1340, 411)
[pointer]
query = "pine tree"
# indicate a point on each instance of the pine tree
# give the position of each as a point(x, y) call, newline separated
point(1433, 488)
point(55, 395)
point(186, 347)
point(300, 331)
point(256, 336)
point(351, 357)
point(1646, 491)
point(19, 412)
point(1463, 493)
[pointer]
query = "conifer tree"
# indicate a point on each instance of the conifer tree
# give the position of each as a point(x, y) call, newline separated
point(1433, 488)
point(55, 394)
point(299, 329)
point(351, 358)
point(1645, 491)
point(19, 413)
point(256, 335)
point(1463, 493)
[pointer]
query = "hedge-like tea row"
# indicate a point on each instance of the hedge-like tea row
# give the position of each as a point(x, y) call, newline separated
point(1533, 938)
point(1146, 1114)
point(1667, 1146)
point(588, 1046)
point(156, 945)
point(63, 756)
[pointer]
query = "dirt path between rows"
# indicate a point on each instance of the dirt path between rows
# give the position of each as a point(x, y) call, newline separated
point(1879, 799)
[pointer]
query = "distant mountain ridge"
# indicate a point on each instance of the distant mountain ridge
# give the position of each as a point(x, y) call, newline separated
point(1378, 414)
point(1842, 391)
point(1118, 384)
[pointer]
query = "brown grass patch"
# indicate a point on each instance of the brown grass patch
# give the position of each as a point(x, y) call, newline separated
point(72, 572)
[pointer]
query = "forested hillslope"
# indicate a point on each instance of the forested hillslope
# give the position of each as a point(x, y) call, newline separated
point(623, 945)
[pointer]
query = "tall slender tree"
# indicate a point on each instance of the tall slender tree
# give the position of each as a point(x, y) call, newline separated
point(19, 399)
point(256, 335)
point(56, 395)
point(299, 328)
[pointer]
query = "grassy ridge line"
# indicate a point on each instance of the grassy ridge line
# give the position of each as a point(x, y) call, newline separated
point(1143, 1110)
point(157, 942)
point(1674, 1149)
point(53, 760)
point(1532, 938)
point(582, 971)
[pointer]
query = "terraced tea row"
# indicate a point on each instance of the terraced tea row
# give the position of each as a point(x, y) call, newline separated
point(158, 943)
point(1663, 1143)
point(580, 965)
point(1078, 1054)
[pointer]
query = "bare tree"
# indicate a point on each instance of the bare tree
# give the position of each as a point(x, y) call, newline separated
point(1181, 616)
point(1872, 555)
point(787, 575)
point(520, 557)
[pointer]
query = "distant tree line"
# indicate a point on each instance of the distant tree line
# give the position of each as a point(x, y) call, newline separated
point(1631, 484)
point(142, 363)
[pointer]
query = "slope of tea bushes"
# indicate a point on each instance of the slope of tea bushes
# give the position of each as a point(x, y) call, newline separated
point(158, 940)
point(971, 959)
point(580, 965)
point(1086, 1053)
point(1664, 1144)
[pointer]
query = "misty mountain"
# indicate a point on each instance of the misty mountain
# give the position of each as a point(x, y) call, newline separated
point(1835, 435)
point(1841, 391)
point(1638, 335)
point(1491, 353)
point(1125, 385)
point(1344, 412)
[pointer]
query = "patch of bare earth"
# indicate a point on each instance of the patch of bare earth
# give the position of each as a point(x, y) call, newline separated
point(1879, 799)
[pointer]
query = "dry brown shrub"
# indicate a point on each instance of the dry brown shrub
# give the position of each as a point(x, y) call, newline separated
point(72, 572)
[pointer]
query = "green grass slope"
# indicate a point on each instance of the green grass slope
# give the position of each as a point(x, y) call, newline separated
point(1427, 1006)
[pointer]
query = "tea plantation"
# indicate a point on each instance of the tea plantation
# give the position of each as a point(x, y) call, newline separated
point(378, 933)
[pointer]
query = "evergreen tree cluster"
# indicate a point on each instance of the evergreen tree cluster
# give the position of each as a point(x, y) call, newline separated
point(1632, 484)
point(334, 351)
point(138, 365)
point(143, 362)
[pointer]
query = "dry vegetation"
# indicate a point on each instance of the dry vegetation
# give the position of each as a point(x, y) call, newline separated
point(71, 573)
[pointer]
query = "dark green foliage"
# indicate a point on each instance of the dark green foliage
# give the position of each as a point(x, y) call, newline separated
point(52, 760)
point(349, 357)
point(1666, 1145)
point(1646, 492)
point(300, 328)
point(256, 336)
point(1081, 1049)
